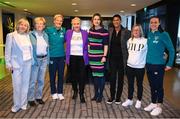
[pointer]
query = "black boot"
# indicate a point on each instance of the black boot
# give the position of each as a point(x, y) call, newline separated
point(94, 98)
point(40, 101)
point(74, 95)
point(99, 99)
point(32, 103)
point(82, 99)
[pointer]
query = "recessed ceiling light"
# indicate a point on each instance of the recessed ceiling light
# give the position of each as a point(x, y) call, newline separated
point(76, 10)
point(74, 4)
point(122, 11)
point(25, 9)
point(133, 5)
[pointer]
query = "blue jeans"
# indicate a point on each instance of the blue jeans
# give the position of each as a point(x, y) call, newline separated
point(56, 64)
point(37, 76)
point(20, 81)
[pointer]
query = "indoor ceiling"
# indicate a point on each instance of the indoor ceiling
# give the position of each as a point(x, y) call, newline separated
point(76, 7)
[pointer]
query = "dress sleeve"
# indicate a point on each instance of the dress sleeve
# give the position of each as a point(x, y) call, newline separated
point(105, 38)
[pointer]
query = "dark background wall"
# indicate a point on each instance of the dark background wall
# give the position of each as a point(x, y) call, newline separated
point(167, 11)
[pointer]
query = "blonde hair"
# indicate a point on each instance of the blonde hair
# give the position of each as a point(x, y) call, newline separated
point(39, 19)
point(140, 30)
point(75, 18)
point(21, 21)
point(58, 15)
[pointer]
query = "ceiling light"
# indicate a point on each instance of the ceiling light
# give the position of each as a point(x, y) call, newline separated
point(25, 9)
point(122, 11)
point(133, 5)
point(76, 10)
point(74, 4)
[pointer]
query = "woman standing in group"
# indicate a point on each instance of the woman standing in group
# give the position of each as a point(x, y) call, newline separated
point(137, 50)
point(56, 35)
point(158, 41)
point(39, 40)
point(98, 42)
point(18, 56)
point(77, 56)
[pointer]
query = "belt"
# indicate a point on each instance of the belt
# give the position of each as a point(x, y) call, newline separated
point(42, 56)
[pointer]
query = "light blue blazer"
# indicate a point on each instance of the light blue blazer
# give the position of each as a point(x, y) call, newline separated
point(13, 51)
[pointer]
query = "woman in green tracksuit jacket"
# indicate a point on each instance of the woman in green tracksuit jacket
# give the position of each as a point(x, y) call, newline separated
point(158, 41)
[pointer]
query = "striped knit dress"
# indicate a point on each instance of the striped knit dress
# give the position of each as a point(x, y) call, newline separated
point(97, 39)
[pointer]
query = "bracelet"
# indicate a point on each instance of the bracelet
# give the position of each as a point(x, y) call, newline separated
point(104, 56)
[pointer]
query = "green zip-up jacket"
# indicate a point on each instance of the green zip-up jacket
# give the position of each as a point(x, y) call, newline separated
point(157, 43)
point(56, 41)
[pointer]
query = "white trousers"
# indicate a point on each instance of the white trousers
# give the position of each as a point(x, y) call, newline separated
point(20, 81)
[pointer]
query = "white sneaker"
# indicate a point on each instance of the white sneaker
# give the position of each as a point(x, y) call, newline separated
point(61, 97)
point(138, 104)
point(24, 107)
point(117, 102)
point(150, 107)
point(127, 103)
point(156, 111)
point(13, 109)
point(54, 96)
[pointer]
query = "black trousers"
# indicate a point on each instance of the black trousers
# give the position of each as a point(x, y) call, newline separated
point(116, 88)
point(77, 73)
point(133, 73)
point(155, 75)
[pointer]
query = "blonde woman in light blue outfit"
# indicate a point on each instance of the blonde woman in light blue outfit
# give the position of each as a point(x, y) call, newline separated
point(18, 57)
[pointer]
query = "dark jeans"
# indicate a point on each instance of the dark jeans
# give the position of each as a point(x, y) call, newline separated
point(133, 73)
point(155, 75)
point(99, 86)
point(116, 88)
point(56, 65)
point(77, 73)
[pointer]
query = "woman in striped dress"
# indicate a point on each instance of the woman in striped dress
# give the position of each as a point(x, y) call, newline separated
point(98, 42)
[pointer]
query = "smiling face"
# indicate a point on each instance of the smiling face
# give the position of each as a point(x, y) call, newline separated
point(136, 32)
point(39, 25)
point(154, 24)
point(22, 26)
point(96, 21)
point(58, 22)
point(76, 24)
point(116, 22)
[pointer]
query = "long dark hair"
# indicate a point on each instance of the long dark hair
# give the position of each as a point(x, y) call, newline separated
point(101, 20)
point(160, 29)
